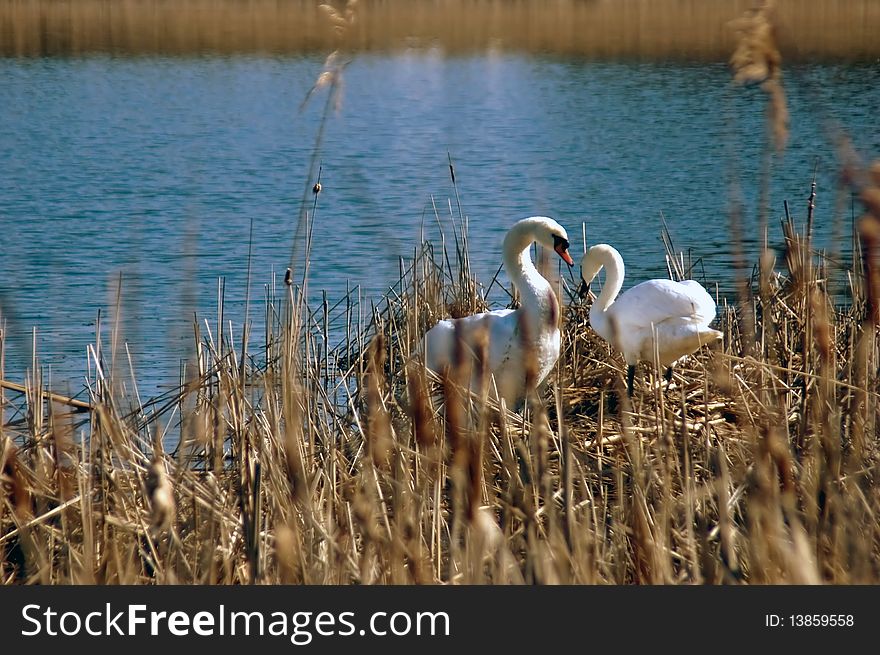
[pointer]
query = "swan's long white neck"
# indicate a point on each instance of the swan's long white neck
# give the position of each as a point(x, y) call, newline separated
point(538, 299)
point(612, 262)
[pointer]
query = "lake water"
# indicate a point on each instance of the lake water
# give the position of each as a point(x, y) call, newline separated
point(154, 167)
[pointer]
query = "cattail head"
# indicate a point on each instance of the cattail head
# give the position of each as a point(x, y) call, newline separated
point(530, 358)
point(287, 552)
point(822, 328)
point(870, 193)
point(420, 408)
point(480, 346)
point(13, 483)
point(456, 380)
point(475, 454)
point(869, 235)
point(379, 423)
point(553, 315)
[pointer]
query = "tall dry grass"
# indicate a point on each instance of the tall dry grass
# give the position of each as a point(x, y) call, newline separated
point(692, 29)
point(314, 463)
point(338, 465)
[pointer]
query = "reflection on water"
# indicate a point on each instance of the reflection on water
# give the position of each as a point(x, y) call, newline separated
point(153, 168)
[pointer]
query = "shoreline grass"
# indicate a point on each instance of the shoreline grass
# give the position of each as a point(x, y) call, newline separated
point(333, 466)
point(627, 29)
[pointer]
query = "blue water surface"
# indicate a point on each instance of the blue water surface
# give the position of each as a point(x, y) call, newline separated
point(153, 169)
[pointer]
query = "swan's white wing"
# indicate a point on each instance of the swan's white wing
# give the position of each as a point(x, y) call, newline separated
point(704, 302)
point(502, 336)
point(506, 355)
point(677, 313)
point(439, 343)
point(655, 301)
point(676, 338)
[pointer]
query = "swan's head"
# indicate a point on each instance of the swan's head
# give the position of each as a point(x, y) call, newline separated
point(592, 262)
point(548, 233)
point(560, 244)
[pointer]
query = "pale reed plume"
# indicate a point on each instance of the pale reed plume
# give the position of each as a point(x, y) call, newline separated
point(757, 60)
point(331, 73)
point(160, 493)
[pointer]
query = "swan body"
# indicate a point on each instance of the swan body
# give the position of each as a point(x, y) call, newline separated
point(661, 318)
point(501, 343)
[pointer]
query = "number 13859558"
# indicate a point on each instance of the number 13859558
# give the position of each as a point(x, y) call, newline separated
point(809, 621)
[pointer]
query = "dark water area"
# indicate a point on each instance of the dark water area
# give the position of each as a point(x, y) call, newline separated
point(153, 168)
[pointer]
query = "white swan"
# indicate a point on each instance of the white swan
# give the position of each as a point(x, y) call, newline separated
point(511, 335)
point(678, 313)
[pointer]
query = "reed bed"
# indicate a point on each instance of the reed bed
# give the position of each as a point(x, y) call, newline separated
point(330, 455)
point(305, 463)
point(643, 29)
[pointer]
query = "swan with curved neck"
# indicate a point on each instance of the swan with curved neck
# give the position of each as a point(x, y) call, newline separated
point(661, 318)
point(508, 344)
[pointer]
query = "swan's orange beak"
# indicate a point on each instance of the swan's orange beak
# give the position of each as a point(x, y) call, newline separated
point(563, 252)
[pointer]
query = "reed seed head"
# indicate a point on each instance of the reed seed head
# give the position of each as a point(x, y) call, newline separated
point(160, 493)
